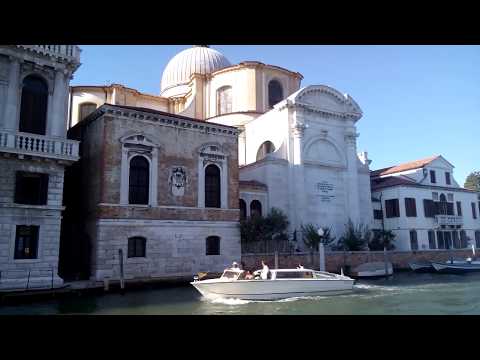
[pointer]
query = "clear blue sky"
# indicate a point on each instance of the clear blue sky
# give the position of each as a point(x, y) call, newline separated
point(417, 101)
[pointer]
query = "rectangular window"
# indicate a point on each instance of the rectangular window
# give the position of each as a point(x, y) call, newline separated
point(31, 188)
point(448, 239)
point(463, 239)
point(392, 208)
point(447, 178)
point(435, 196)
point(450, 208)
point(474, 211)
point(212, 245)
point(459, 208)
point(377, 214)
point(410, 207)
point(413, 240)
point(429, 208)
point(450, 197)
point(26, 242)
point(431, 239)
point(456, 240)
point(440, 240)
point(137, 247)
point(432, 177)
point(477, 238)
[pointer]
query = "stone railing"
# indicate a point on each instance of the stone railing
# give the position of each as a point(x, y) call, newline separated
point(69, 52)
point(39, 145)
point(448, 220)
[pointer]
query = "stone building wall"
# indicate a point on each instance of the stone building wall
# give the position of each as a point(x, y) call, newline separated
point(14, 272)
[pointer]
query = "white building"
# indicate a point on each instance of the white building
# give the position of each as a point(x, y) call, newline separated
point(34, 151)
point(296, 148)
point(425, 207)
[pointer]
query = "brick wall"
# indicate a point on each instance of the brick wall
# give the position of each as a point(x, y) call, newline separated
point(337, 260)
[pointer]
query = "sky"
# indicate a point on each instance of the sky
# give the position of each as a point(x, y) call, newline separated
point(417, 101)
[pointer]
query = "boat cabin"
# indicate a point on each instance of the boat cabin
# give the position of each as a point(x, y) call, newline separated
point(276, 274)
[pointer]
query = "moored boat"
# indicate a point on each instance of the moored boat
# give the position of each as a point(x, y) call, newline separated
point(457, 267)
point(280, 284)
point(372, 270)
point(421, 266)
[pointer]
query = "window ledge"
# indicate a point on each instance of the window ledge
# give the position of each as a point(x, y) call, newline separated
point(25, 206)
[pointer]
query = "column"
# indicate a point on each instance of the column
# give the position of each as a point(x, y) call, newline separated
point(352, 177)
point(57, 125)
point(13, 92)
point(298, 196)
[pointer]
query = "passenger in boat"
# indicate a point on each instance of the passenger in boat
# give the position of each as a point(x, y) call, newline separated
point(300, 266)
point(234, 265)
point(265, 270)
point(248, 275)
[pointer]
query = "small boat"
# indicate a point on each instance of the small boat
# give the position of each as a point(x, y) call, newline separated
point(457, 266)
point(280, 284)
point(372, 270)
point(422, 266)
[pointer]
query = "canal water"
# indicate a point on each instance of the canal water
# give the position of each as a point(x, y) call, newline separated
point(404, 293)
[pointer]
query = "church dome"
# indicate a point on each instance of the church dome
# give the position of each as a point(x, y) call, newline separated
point(198, 59)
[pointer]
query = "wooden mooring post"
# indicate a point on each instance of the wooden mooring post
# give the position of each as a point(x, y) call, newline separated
point(276, 259)
point(122, 283)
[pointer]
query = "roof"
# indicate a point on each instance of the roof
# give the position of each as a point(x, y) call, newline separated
point(252, 184)
point(417, 164)
point(99, 112)
point(390, 181)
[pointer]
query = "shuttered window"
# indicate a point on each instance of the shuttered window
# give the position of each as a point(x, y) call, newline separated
point(440, 240)
point(447, 178)
point(410, 207)
point(137, 247)
point(413, 240)
point(429, 208)
point(459, 208)
point(474, 211)
point(433, 180)
point(477, 238)
point(431, 239)
point(392, 208)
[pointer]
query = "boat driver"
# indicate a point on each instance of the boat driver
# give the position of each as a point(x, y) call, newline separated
point(265, 270)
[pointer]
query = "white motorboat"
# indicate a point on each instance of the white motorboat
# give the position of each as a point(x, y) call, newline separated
point(280, 284)
point(372, 269)
point(457, 266)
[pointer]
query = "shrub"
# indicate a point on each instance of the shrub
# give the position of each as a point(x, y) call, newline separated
point(381, 239)
point(355, 238)
point(271, 227)
point(312, 239)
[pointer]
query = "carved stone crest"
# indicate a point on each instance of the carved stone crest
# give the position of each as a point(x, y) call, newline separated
point(177, 180)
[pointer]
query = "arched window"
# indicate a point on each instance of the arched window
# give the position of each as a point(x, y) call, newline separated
point(266, 148)
point(243, 209)
point(139, 180)
point(255, 208)
point(137, 246)
point(86, 109)
point(224, 100)
point(275, 93)
point(33, 109)
point(212, 186)
point(212, 245)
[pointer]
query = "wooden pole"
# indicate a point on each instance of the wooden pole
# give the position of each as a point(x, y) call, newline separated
point(276, 259)
point(122, 284)
point(385, 260)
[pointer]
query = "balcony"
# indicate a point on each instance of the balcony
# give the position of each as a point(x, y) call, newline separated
point(38, 145)
point(448, 220)
point(68, 52)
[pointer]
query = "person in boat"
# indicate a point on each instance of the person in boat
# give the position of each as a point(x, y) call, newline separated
point(235, 265)
point(300, 266)
point(248, 275)
point(265, 271)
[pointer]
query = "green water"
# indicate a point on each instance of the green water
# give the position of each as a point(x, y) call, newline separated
point(405, 293)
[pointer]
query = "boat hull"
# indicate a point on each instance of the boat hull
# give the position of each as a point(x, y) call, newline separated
point(456, 268)
point(372, 270)
point(272, 289)
point(422, 267)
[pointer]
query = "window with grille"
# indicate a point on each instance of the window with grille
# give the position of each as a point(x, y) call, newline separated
point(212, 186)
point(224, 100)
point(213, 245)
point(31, 188)
point(33, 108)
point(139, 180)
point(86, 109)
point(413, 240)
point(410, 207)
point(26, 242)
point(392, 208)
point(137, 247)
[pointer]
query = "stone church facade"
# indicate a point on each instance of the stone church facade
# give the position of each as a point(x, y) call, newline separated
point(158, 189)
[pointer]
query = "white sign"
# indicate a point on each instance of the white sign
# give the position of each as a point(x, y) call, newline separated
point(325, 190)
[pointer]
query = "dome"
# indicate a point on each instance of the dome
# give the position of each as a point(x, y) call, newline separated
point(198, 59)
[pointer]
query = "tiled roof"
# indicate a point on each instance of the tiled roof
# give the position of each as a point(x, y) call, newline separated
point(403, 167)
point(379, 183)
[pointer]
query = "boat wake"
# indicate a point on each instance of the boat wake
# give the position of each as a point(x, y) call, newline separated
point(230, 301)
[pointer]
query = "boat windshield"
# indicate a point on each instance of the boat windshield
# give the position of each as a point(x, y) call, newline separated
point(230, 274)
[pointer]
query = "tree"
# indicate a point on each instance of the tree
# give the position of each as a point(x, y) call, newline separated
point(381, 239)
point(312, 239)
point(472, 182)
point(355, 238)
point(271, 227)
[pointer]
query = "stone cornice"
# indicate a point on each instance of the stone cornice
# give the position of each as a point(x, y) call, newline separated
point(160, 118)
